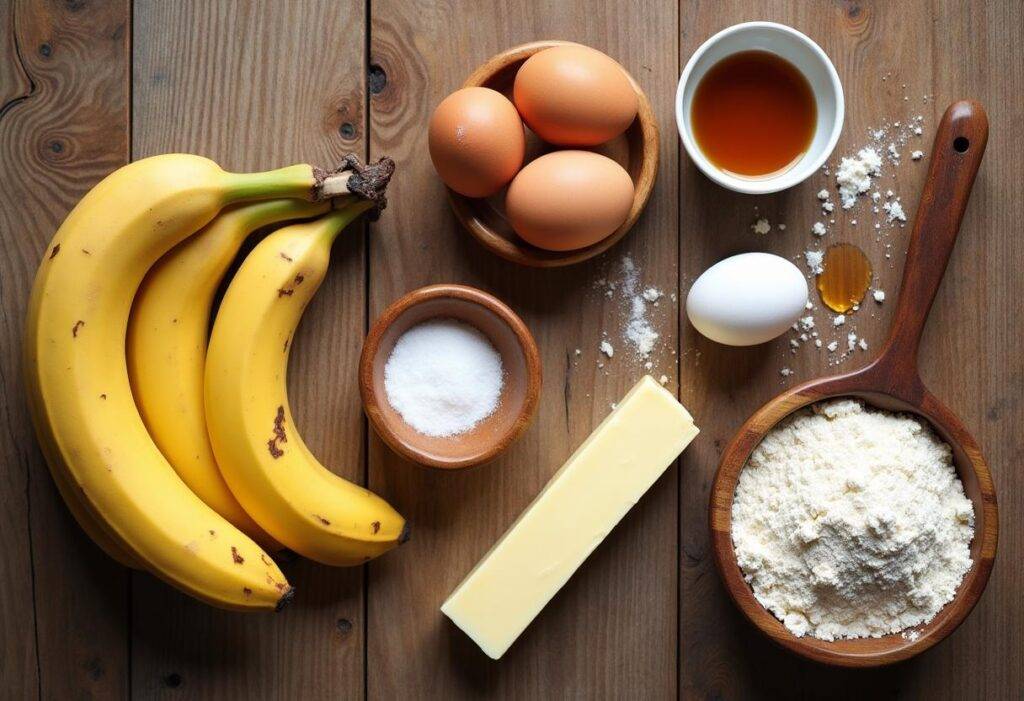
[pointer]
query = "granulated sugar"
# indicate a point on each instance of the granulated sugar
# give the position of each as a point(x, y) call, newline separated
point(443, 377)
point(851, 522)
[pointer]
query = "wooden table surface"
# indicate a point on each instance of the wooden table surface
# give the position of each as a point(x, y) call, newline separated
point(87, 86)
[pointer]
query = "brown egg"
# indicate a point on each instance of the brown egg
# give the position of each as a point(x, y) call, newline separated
point(574, 96)
point(568, 199)
point(476, 141)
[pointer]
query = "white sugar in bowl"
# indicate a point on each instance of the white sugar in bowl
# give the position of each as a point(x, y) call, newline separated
point(747, 299)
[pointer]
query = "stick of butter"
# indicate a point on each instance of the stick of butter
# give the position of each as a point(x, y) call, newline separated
point(580, 505)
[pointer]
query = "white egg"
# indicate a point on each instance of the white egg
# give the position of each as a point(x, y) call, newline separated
point(747, 299)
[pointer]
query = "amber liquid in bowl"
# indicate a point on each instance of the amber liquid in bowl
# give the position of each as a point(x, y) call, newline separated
point(753, 114)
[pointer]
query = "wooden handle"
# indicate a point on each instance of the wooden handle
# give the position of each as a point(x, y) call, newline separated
point(955, 158)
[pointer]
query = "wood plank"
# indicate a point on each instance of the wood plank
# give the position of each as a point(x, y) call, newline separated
point(255, 86)
point(261, 85)
point(945, 54)
point(611, 632)
point(63, 126)
point(972, 359)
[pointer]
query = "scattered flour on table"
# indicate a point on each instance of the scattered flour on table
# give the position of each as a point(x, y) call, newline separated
point(851, 522)
point(814, 260)
point(634, 312)
point(894, 211)
point(639, 330)
point(855, 173)
point(857, 176)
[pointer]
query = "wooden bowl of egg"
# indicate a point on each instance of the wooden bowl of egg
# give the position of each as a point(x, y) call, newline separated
point(447, 334)
point(549, 152)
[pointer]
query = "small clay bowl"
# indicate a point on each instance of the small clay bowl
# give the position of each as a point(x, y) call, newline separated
point(636, 150)
point(519, 394)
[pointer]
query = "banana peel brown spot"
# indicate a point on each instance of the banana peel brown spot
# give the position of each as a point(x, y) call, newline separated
point(86, 251)
point(274, 444)
point(285, 292)
point(286, 344)
point(247, 591)
point(266, 561)
point(287, 594)
point(235, 556)
point(376, 527)
point(286, 256)
point(74, 329)
point(321, 519)
point(54, 251)
point(299, 278)
point(103, 396)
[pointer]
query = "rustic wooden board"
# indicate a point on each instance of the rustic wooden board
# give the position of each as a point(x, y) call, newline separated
point(967, 355)
point(257, 86)
point(611, 632)
point(84, 86)
point(63, 126)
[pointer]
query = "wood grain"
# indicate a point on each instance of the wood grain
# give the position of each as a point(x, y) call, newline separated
point(722, 655)
point(258, 85)
point(63, 126)
point(611, 632)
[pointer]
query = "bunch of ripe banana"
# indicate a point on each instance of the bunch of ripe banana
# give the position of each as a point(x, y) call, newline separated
point(175, 454)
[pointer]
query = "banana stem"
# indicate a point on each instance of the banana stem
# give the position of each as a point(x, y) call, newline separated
point(336, 221)
point(336, 184)
point(368, 182)
point(261, 213)
point(298, 181)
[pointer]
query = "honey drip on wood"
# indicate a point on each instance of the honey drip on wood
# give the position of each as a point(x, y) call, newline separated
point(845, 278)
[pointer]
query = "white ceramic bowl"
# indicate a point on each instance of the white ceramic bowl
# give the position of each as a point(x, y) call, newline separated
point(807, 57)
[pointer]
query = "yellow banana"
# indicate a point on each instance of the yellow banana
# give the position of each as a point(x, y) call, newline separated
point(167, 336)
point(77, 379)
point(85, 519)
point(269, 468)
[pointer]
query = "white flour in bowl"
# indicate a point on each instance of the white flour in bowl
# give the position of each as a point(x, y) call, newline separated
point(851, 522)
